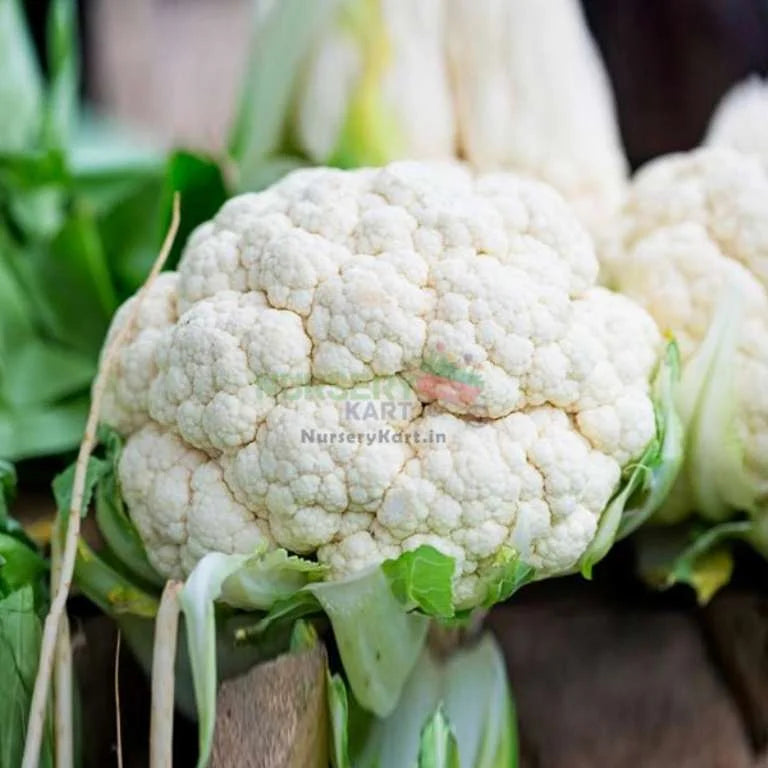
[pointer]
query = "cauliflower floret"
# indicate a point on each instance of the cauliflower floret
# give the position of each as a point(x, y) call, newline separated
point(180, 504)
point(219, 367)
point(318, 318)
point(324, 458)
point(125, 405)
point(723, 191)
point(741, 120)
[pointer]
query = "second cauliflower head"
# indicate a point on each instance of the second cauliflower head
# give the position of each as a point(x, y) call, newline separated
point(694, 253)
point(352, 364)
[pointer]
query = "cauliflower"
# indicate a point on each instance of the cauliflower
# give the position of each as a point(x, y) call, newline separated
point(532, 95)
point(376, 86)
point(694, 253)
point(354, 364)
point(741, 120)
point(516, 86)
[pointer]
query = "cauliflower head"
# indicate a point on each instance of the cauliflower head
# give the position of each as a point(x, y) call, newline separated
point(352, 364)
point(694, 253)
point(741, 120)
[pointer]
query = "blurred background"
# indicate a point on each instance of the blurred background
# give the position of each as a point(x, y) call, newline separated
point(172, 68)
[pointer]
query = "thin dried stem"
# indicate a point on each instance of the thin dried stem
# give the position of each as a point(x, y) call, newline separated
point(64, 582)
point(164, 677)
point(118, 714)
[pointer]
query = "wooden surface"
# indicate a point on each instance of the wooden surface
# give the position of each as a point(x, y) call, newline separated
point(603, 678)
point(603, 681)
point(274, 716)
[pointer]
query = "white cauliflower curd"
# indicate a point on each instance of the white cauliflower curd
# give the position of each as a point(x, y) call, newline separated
point(351, 364)
point(741, 120)
point(694, 252)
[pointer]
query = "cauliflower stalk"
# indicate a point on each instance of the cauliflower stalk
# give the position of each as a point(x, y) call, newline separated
point(385, 394)
point(693, 245)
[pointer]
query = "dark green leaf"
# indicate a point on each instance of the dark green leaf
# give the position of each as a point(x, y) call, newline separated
point(32, 168)
point(199, 181)
point(8, 525)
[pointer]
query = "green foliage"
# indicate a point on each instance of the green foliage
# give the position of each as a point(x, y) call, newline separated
point(422, 579)
point(83, 211)
point(23, 601)
point(120, 579)
point(20, 633)
point(438, 747)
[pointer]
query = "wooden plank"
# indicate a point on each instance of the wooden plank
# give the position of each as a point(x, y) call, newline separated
point(275, 716)
point(171, 68)
point(604, 678)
